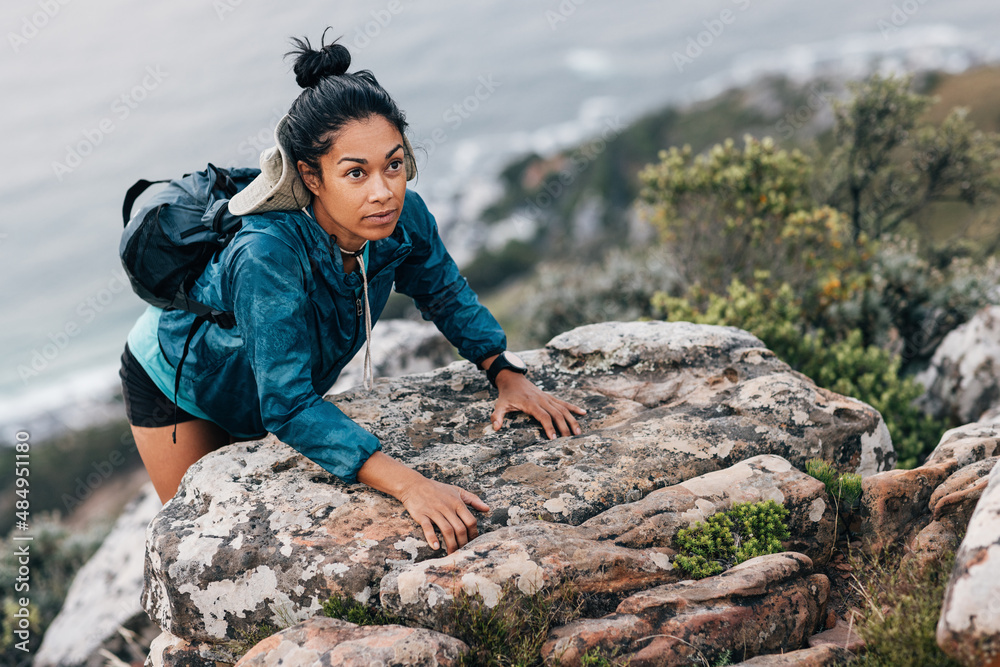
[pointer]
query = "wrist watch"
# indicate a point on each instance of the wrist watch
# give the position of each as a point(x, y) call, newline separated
point(505, 360)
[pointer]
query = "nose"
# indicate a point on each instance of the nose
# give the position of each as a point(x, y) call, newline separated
point(380, 191)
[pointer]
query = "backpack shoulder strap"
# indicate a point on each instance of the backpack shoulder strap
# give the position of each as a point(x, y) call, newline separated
point(133, 193)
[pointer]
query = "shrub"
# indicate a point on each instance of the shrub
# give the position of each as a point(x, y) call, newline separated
point(744, 531)
point(888, 166)
point(900, 610)
point(512, 631)
point(620, 288)
point(733, 212)
point(56, 556)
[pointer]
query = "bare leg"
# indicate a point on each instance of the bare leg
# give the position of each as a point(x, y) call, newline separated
point(166, 461)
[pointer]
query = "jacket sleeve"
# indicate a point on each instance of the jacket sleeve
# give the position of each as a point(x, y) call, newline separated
point(271, 307)
point(430, 276)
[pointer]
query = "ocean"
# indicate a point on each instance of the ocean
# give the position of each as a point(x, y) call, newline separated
point(102, 93)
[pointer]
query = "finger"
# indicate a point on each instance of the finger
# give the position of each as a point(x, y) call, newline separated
point(471, 527)
point(565, 422)
point(459, 527)
point(498, 415)
point(542, 415)
point(447, 530)
point(473, 501)
point(429, 535)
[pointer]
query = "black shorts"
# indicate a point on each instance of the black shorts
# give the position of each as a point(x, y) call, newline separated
point(145, 404)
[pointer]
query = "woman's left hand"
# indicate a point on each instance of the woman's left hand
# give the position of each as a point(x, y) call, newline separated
point(518, 393)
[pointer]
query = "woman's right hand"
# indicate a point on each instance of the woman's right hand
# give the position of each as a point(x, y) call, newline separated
point(446, 506)
point(430, 503)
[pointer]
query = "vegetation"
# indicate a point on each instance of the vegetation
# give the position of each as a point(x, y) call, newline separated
point(348, 609)
point(744, 531)
point(889, 166)
point(56, 555)
point(901, 605)
point(844, 488)
point(512, 632)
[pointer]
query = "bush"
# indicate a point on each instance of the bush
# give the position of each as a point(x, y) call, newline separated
point(846, 366)
point(900, 610)
point(907, 304)
point(56, 556)
point(734, 212)
point(512, 631)
point(744, 531)
point(620, 288)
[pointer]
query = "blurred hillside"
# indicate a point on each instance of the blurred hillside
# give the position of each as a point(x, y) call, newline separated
point(581, 201)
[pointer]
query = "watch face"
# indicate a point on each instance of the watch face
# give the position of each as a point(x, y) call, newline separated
point(515, 360)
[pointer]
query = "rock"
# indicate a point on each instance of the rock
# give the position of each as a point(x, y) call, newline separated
point(842, 634)
point(104, 595)
point(894, 504)
point(623, 549)
point(968, 443)
point(969, 626)
point(819, 656)
point(399, 347)
point(951, 506)
point(766, 604)
point(326, 641)
point(170, 651)
point(963, 378)
point(257, 532)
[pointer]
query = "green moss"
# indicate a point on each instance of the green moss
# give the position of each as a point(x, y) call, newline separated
point(744, 531)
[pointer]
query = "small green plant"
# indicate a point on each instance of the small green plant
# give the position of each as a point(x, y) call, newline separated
point(513, 630)
point(248, 638)
point(744, 531)
point(348, 609)
point(595, 657)
point(844, 488)
point(901, 605)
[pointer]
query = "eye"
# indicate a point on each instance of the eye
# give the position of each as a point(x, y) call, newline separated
point(355, 173)
point(395, 165)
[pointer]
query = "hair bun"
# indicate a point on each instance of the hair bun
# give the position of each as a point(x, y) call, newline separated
point(312, 65)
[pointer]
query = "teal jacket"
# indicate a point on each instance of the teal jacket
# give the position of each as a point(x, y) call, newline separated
point(299, 321)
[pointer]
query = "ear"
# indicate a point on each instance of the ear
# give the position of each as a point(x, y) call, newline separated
point(310, 177)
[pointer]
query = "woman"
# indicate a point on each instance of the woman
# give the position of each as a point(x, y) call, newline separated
point(329, 228)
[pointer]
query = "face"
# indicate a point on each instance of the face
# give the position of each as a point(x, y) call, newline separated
point(360, 188)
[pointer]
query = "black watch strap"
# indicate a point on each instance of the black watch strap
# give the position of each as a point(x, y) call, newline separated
point(505, 361)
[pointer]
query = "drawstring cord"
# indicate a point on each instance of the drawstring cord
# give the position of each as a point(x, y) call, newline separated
point(367, 375)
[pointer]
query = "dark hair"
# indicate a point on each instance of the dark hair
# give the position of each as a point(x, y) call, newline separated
point(332, 98)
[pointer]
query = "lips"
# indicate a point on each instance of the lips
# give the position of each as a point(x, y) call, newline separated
point(382, 217)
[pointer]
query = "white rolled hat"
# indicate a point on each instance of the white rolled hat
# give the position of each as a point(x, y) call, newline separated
point(279, 187)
